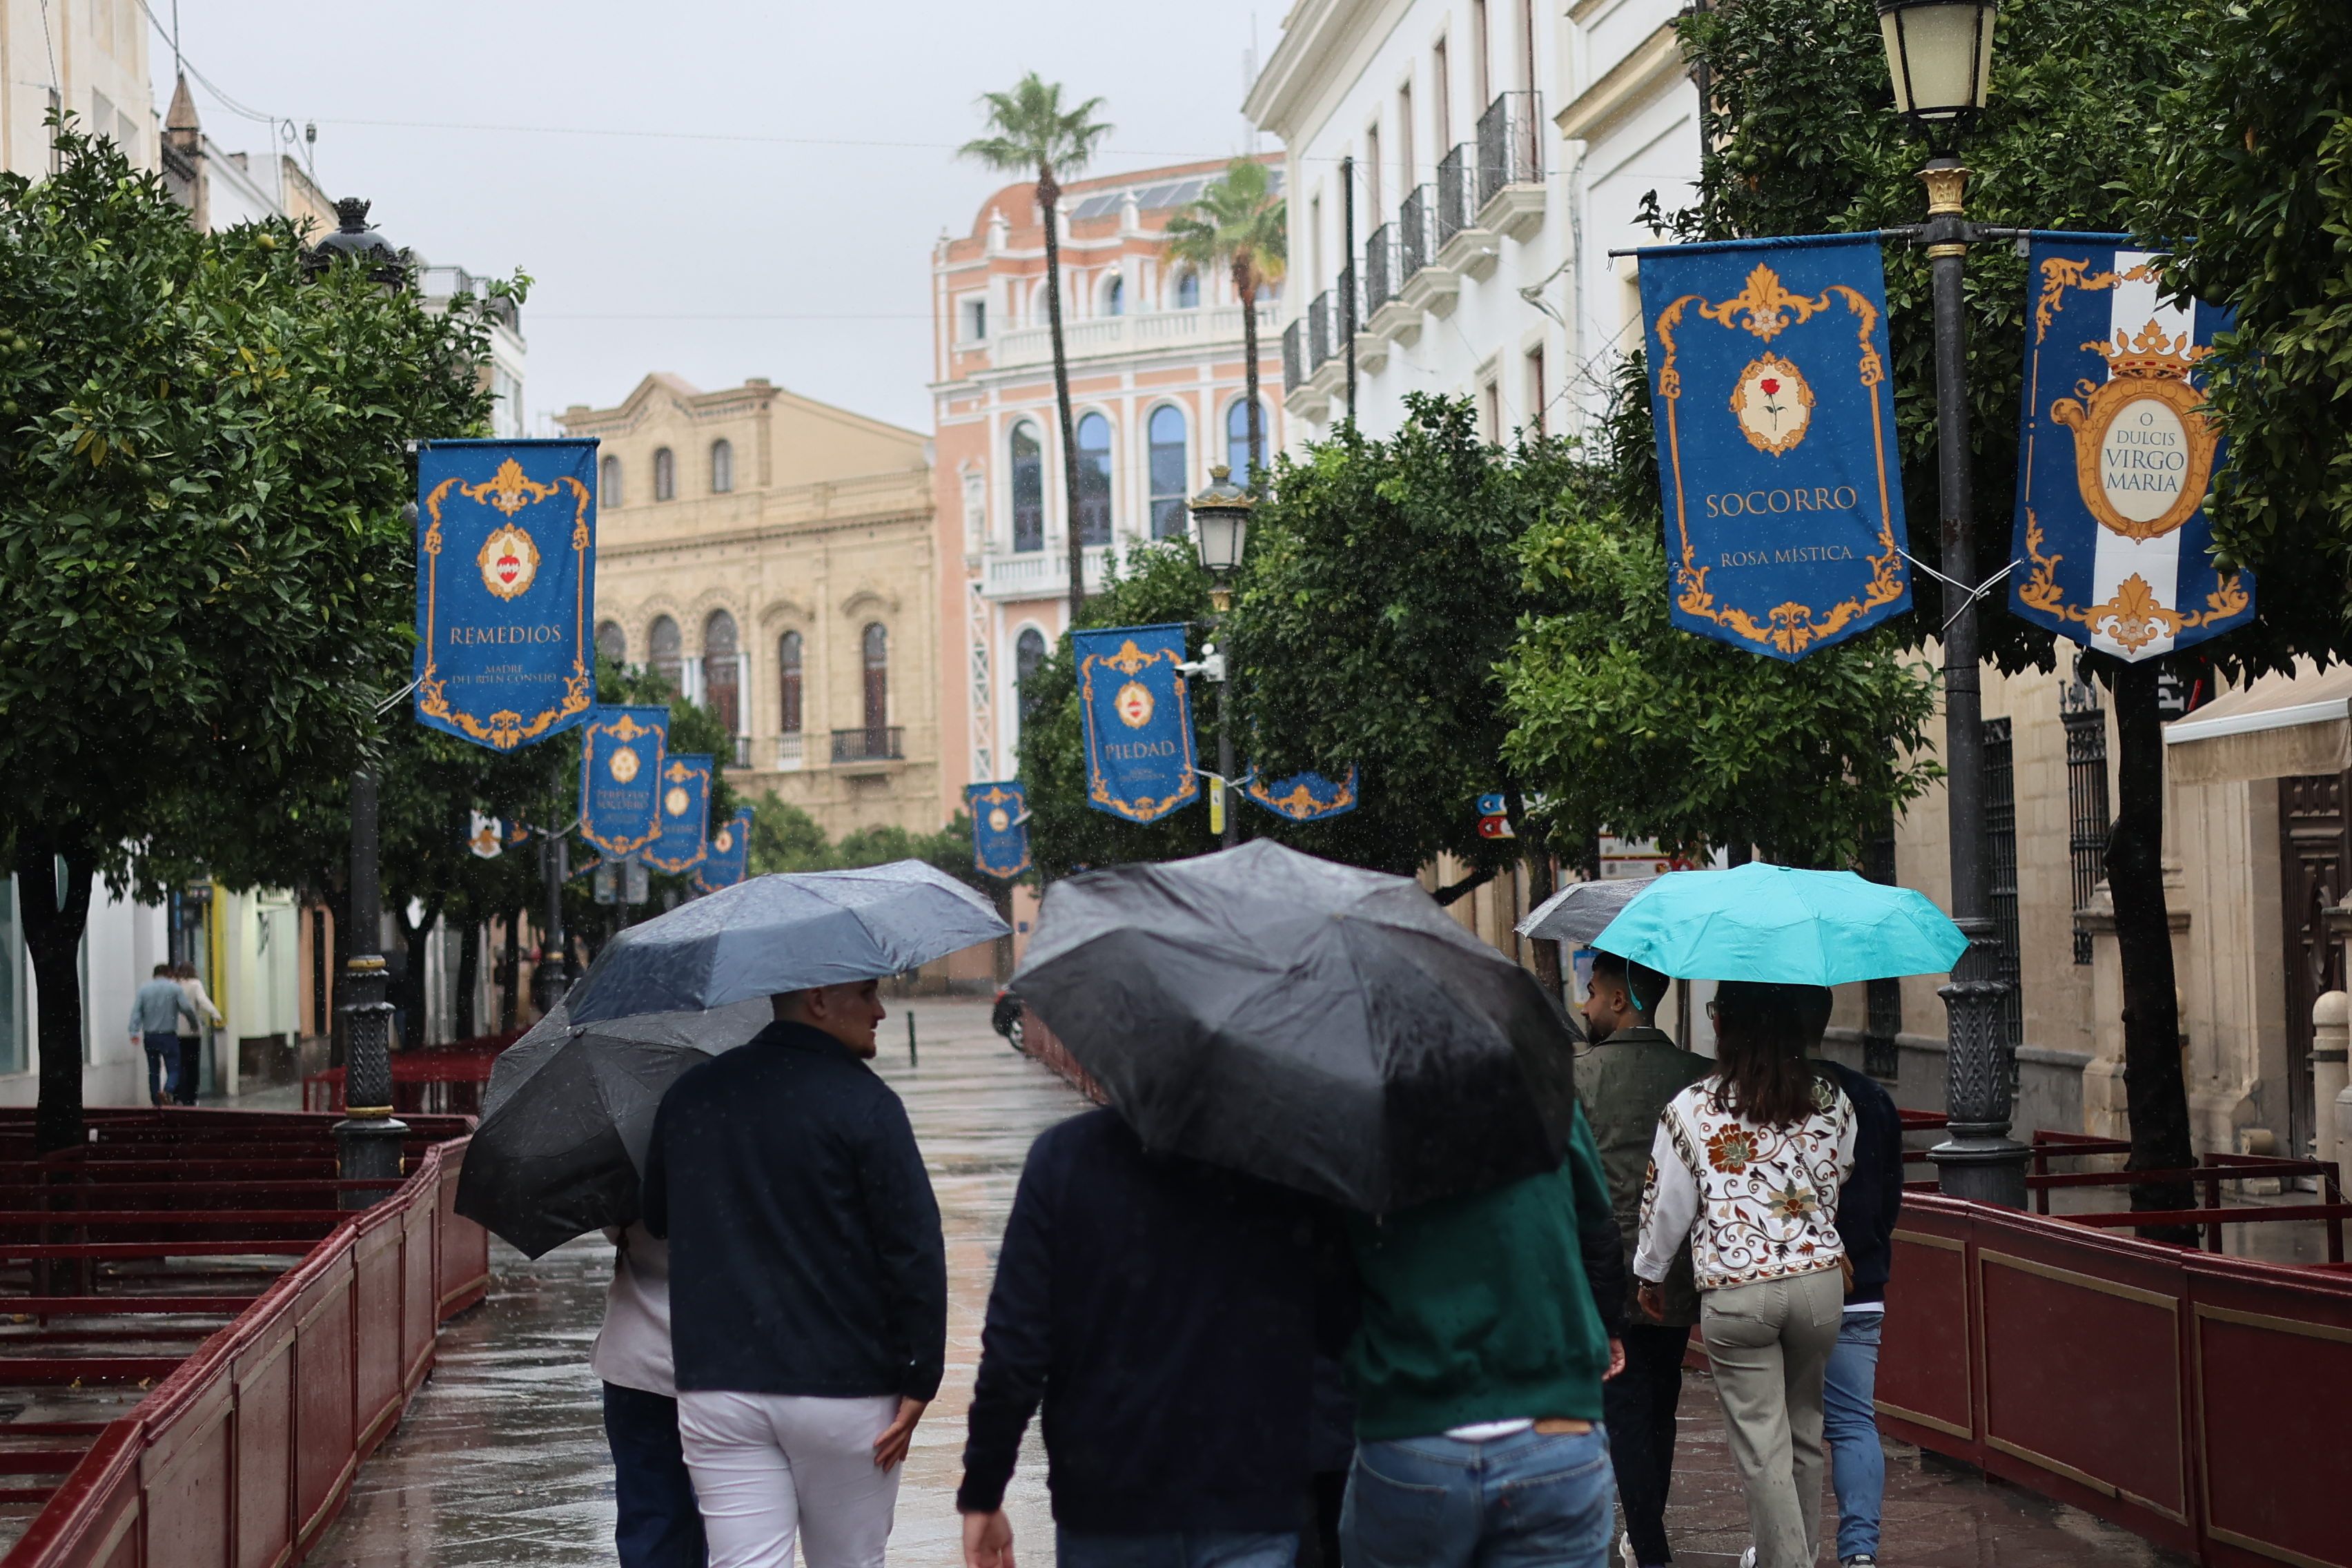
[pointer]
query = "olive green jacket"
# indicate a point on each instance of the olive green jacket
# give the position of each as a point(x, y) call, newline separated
point(1625, 1083)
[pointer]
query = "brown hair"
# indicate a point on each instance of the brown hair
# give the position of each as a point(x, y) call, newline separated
point(1761, 1033)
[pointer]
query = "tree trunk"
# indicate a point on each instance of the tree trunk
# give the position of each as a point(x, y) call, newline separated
point(54, 923)
point(1048, 195)
point(469, 980)
point(336, 892)
point(510, 972)
point(1245, 285)
point(2156, 1093)
point(1541, 885)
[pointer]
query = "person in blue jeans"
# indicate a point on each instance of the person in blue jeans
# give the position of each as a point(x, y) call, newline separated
point(1868, 1204)
point(1488, 1324)
point(155, 1015)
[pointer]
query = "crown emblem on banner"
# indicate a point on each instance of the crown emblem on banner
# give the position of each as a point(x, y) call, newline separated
point(2153, 355)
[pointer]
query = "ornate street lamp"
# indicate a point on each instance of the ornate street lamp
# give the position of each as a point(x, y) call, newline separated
point(368, 1139)
point(1221, 515)
point(1939, 53)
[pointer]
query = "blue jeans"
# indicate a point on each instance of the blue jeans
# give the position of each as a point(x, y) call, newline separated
point(658, 1525)
point(162, 1066)
point(1511, 1503)
point(1857, 1464)
point(1191, 1549)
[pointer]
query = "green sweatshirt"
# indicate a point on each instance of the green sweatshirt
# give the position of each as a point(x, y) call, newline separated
point(1476, 1308)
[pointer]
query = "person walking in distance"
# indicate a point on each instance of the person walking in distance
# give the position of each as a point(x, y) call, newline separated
point(1868, 1205)
point(1165, 1313)
point(808, 1283)
point(1746, 1165)
point(657, 1523)
point(1625, 1081)
point(191, 1036)
point(156, 1014)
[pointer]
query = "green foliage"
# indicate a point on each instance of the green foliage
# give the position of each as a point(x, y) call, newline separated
point(1382, 592)
point(1030, 131)
point(1238, 224)
point(2258, 168)
point(1158, 583)
point(204, 578)
point(786, 838)
point(1803, 138)
point(1630, 725)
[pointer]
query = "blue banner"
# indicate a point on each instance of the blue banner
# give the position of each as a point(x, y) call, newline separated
point(1000, 827)
point(1138, 723)
point(684, 815)
point(730, 853)
point(1305, 797)
point(621, 756)
point(2116, 454)
point(1776, 439)
point(505, 588)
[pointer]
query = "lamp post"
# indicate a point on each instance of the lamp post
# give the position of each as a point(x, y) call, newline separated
point(1939, 53)
point(549, 976)
point(1221, 515)
point(368, 1139)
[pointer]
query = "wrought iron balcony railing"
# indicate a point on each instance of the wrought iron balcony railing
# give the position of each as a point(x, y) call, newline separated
point(1510, 146)
point(1293, 356)
point(884, 743)
point(1416, 232)
point(1381, 276)
point(1458, 193)
point(1319, 320)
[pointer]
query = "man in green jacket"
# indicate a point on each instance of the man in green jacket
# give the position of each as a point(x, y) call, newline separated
point(1624, 1082)
point(1488, 1324)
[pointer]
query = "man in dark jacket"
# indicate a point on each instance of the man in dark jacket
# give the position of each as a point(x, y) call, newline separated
point(808, 1283)
point(1165, 1313)
point(1624, 1082)
point(1867, 1205)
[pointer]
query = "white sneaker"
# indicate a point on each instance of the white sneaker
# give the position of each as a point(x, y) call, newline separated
point(1748, 1558)
point(1625, 1552)
point(1860, 1560)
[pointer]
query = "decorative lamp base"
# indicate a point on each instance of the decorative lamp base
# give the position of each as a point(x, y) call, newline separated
point(368, 1148)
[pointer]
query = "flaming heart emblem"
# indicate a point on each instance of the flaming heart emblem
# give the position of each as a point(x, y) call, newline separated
point(510, 561)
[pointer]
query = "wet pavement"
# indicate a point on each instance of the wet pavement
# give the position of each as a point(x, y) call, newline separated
point(501, 1458)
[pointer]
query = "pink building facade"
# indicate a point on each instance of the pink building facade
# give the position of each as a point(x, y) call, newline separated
point(1158, 396)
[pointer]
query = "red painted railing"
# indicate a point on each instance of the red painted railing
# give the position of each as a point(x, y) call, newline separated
point(244, 1451)
point(433, 1080)
point(2189, 1398)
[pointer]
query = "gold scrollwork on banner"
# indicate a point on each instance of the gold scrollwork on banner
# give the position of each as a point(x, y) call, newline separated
point(1131, 661)
point(2060, 273)
point(1791, 627)
point(504, 729)
point(1299, 803)
point(2135, 617)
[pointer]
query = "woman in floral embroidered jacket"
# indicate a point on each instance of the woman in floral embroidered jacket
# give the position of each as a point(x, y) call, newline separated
point(1747, 1165)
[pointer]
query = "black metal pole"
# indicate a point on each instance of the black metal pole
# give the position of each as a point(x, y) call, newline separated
point(1979, 1159)
point(1347, 289)
point(368, 1139)
point(1225, 756)
point(547, 977)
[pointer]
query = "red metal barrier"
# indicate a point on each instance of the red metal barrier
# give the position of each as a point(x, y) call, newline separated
point(2184, 1395)
point(245, 1451)
point(437, 1081)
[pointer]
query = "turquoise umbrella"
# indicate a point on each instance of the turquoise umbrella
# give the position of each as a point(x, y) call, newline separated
point(1778, 924)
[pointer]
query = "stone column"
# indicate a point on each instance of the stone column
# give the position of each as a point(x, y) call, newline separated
point(2331, 1028)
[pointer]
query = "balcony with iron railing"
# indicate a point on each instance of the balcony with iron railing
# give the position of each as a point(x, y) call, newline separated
point(1293, 356)
point(1463, 246)
point(873, 744)
point(1422, 284)
point(1389, 316)
point(1371, 347)
point(1511, 165)
point(1380, 277)
point(792, 753)
point(1319, 332)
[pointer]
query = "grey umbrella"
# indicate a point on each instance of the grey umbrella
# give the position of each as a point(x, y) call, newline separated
point(561, 1143)
point(1323, 1026)
point(1582, 911)
point(782, 932)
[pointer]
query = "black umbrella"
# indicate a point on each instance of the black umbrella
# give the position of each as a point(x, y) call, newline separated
point(1323, 1026)
point(561, 1143)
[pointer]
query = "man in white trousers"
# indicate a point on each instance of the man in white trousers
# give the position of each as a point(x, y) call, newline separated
point(808, 1283)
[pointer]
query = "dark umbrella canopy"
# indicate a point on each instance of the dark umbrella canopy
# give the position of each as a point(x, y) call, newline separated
point(562, 1143)
point(782, 932)
point(1319, 1026)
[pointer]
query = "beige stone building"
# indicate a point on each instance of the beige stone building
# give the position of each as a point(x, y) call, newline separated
point(773, 555)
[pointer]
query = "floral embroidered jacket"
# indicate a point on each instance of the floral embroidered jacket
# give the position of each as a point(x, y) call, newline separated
point(1756, 1203)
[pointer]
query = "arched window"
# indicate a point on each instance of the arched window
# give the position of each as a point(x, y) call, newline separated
point(1168, 473)
point(612, 642)
point(1187, 290)
point(787, 681)
point(875, 649)
point(1237, 442)
point(1028, 653)
point(1094, 479)
point(608, 482)
point(1028, 488)
point(1115, 296)
point(663, 658)
point(722, 468)
point(722, 671)
point(665, 475)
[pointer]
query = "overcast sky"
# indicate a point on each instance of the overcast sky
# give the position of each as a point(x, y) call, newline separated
point(719, 189)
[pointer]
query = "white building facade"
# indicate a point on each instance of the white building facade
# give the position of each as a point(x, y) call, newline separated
point(1493, 152)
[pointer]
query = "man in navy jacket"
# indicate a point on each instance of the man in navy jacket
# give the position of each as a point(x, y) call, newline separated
point(808, 1283)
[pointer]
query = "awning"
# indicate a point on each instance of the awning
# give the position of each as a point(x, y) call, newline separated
point(2281, 726)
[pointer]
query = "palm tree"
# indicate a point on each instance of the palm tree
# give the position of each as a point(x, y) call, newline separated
point(1237, 223)
point(1029, 128)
